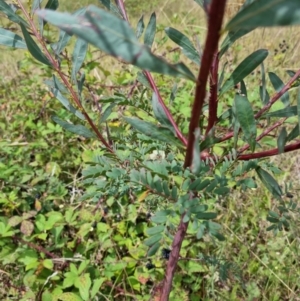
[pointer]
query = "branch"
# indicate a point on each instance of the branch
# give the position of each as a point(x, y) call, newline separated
point(216, 13)
point(166, 110)
point(56, 67)
point(269, 153)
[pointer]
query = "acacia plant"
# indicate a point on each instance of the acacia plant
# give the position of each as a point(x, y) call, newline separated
point(160, 154)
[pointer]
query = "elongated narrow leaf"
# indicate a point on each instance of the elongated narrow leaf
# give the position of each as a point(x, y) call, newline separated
point(115, 37)
point(160, 114)
point(52, 4)
point(245, 68)
point(243, 88)
point(245, 116)
point(76, 129)
point(295, 132)
point(270, 183)
point(185, 44)
point(79, 53)
point(10, 39)
point(107, 112)
point(152, 240)
point(34, 48)
point(36, 5)
point(196, 162)
point(278, 85)
point(286, 112)
point(265, 13)
point(234, 35)
point(150, 31)
point(11, 15)
point(111, 7)
point(221, 78)
point(281, 141)
point(65, 102)
point(140, 27)
point(264, 95)
point(151, 130)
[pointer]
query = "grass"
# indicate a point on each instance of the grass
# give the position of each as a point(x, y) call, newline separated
point(270, 264)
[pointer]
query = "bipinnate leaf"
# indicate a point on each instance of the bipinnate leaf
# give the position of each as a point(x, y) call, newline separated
point(79, 53)
point(269, 182)
point(151, 130)
point(185, 44)
point(281, 140)
point(11, 15)
point(245, 68)
point(10, 39)
point(150, 31)
point(34, 48)
point(245, 117)
point(278, 85)
point(113, 36)
point(76, 129)
point(266, 13)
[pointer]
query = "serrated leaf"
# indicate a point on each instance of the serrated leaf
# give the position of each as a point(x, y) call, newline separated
point(266, 13)
point(15, 220)
point(185, 44)
point(245, 117)
point(155, 230)
point(152, 240)
point(115, 37)
point(10, 39)
point(278, 85)
point(153, 249)
point(281, 140)
point(269, 182)
point(76, 129)
point(153, 131)
point(33, 48)
point(150, 31)
point(249, 64)
point(140, 27)
point(79, 53)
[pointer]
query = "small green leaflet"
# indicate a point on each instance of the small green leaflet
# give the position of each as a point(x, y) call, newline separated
point(278, 85)
point(245, 117)
point(150, 31)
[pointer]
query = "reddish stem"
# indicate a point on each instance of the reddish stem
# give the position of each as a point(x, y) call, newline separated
point(271, 152)
point(213, 99)
point(216, 14)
